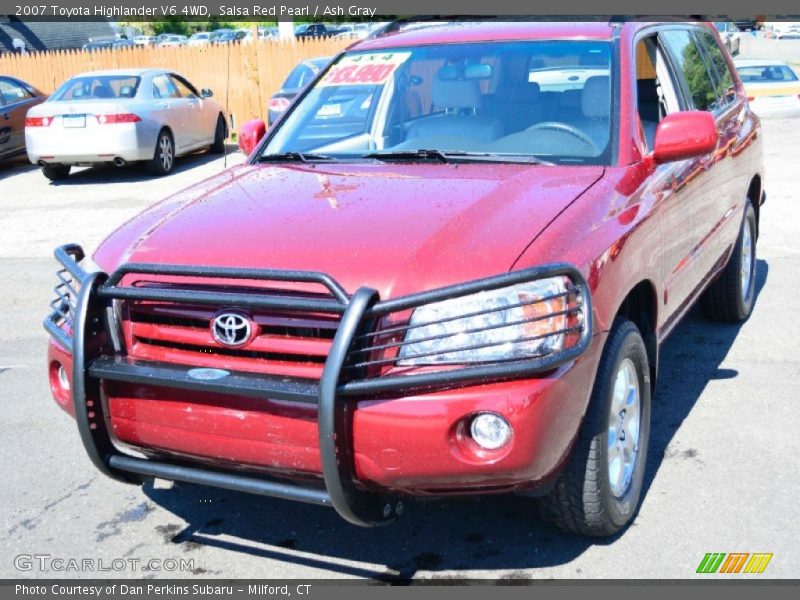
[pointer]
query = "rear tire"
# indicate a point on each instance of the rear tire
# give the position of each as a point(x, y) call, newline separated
point(220, 133)
point(599, 491)
point(163, 160)
point(56, 172)
point(730, 298)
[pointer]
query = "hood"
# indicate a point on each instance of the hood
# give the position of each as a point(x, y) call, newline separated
point(396, 228)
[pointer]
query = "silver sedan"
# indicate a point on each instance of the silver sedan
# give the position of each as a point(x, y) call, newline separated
point(121, 117)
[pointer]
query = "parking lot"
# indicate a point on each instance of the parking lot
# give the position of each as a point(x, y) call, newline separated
point(722, 473)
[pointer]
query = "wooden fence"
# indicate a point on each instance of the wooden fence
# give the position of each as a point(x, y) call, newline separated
point(242, 76)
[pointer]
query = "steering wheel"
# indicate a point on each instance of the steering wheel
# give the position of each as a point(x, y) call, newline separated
point(566, 128)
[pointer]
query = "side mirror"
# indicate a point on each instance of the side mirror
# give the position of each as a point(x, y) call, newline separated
point(206, 93)
point(250, 134)
point(685, 135)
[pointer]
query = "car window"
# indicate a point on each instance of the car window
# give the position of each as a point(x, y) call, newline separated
point(697, 72)
point(11, 92)
point(724, 92)
point(185, 89)
point(163, 88)
point(299, 77)
point(98, 87)
point(548, 98)
point(766, 74)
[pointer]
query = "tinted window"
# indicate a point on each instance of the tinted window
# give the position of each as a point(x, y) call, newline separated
point(11, 92)
point(299, 77)
point(705, 71)
point(98, 87)
point(718, 66)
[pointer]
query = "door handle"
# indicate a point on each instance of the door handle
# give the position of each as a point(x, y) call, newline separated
point(7, 116)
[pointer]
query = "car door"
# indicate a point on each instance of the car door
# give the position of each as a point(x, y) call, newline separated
point(692, 211)
point(175, 110)
point(729, 107)
point(15, 100)
point(202, 123)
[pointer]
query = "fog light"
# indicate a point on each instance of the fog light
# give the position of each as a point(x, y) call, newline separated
point(63, 380)
point(490, 431)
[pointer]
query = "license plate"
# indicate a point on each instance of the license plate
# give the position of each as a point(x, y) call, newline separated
point(74, 120)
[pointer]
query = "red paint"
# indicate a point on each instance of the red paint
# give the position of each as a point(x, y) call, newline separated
point(403, 228)
point(685, 135)
point(251, 133)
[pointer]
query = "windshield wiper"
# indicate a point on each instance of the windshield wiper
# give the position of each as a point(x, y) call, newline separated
point(457, 156)
point(295, 157)
point(435, 155)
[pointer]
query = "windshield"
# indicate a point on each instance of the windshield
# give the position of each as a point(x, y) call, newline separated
point(547, 100)
point(95, 87)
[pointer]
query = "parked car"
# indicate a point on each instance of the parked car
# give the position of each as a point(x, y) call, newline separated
point(772, 87)
point(429, 277)
point(228, 38)
point(174, 40)
point(315, 30)
point(120, 117)
point(99, 45)
point(16, 98)
point(730, 35)
point(746, 24)
point(202, 38)
point(299, 77)
point(145, 40)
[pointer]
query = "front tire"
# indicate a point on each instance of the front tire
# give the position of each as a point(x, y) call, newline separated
point(163, 160)
point(730, 298)
point(599, 491)
point(56, 172)
point(220, 133)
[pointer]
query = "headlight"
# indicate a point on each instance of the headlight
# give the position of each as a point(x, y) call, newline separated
point(520, 321)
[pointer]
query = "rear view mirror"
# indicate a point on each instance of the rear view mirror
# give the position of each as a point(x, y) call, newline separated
point(461, 72)
point(251, 134)
point(685, 135)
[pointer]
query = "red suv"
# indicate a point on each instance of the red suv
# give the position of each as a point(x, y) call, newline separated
point(448, 268)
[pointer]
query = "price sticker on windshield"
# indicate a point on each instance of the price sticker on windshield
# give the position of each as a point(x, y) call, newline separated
point(364, 69)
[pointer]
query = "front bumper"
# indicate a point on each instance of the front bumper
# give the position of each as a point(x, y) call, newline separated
point(368, 437)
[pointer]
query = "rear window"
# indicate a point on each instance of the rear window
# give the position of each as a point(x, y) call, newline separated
point(94, 87)
point(766, 74)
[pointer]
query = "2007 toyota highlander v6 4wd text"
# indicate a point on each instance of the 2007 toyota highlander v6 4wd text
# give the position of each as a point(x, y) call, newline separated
point(446, 269)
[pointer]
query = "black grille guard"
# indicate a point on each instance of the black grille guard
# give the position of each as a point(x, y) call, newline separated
point(89, 331)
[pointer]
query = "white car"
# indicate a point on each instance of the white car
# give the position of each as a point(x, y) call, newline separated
point(174, 40)
point(145, 40)
point(120, 117)
point(201, 38)
point(772, 87)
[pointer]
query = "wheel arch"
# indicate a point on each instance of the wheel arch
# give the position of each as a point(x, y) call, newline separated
point(754, 193)
point(640, 306)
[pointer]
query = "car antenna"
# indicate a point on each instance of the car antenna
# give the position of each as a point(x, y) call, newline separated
point(227, 110)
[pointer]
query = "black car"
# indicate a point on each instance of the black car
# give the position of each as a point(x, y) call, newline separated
point(300, 76)
point(16, 97)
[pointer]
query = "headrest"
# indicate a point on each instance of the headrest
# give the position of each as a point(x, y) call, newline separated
point(126, 91)
point(524, 92)
point(596, 97)
point(459, 93)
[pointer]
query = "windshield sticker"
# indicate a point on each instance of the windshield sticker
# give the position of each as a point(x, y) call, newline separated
point(364, 69)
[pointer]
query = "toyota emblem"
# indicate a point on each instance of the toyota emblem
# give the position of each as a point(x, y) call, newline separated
point(231, 329)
